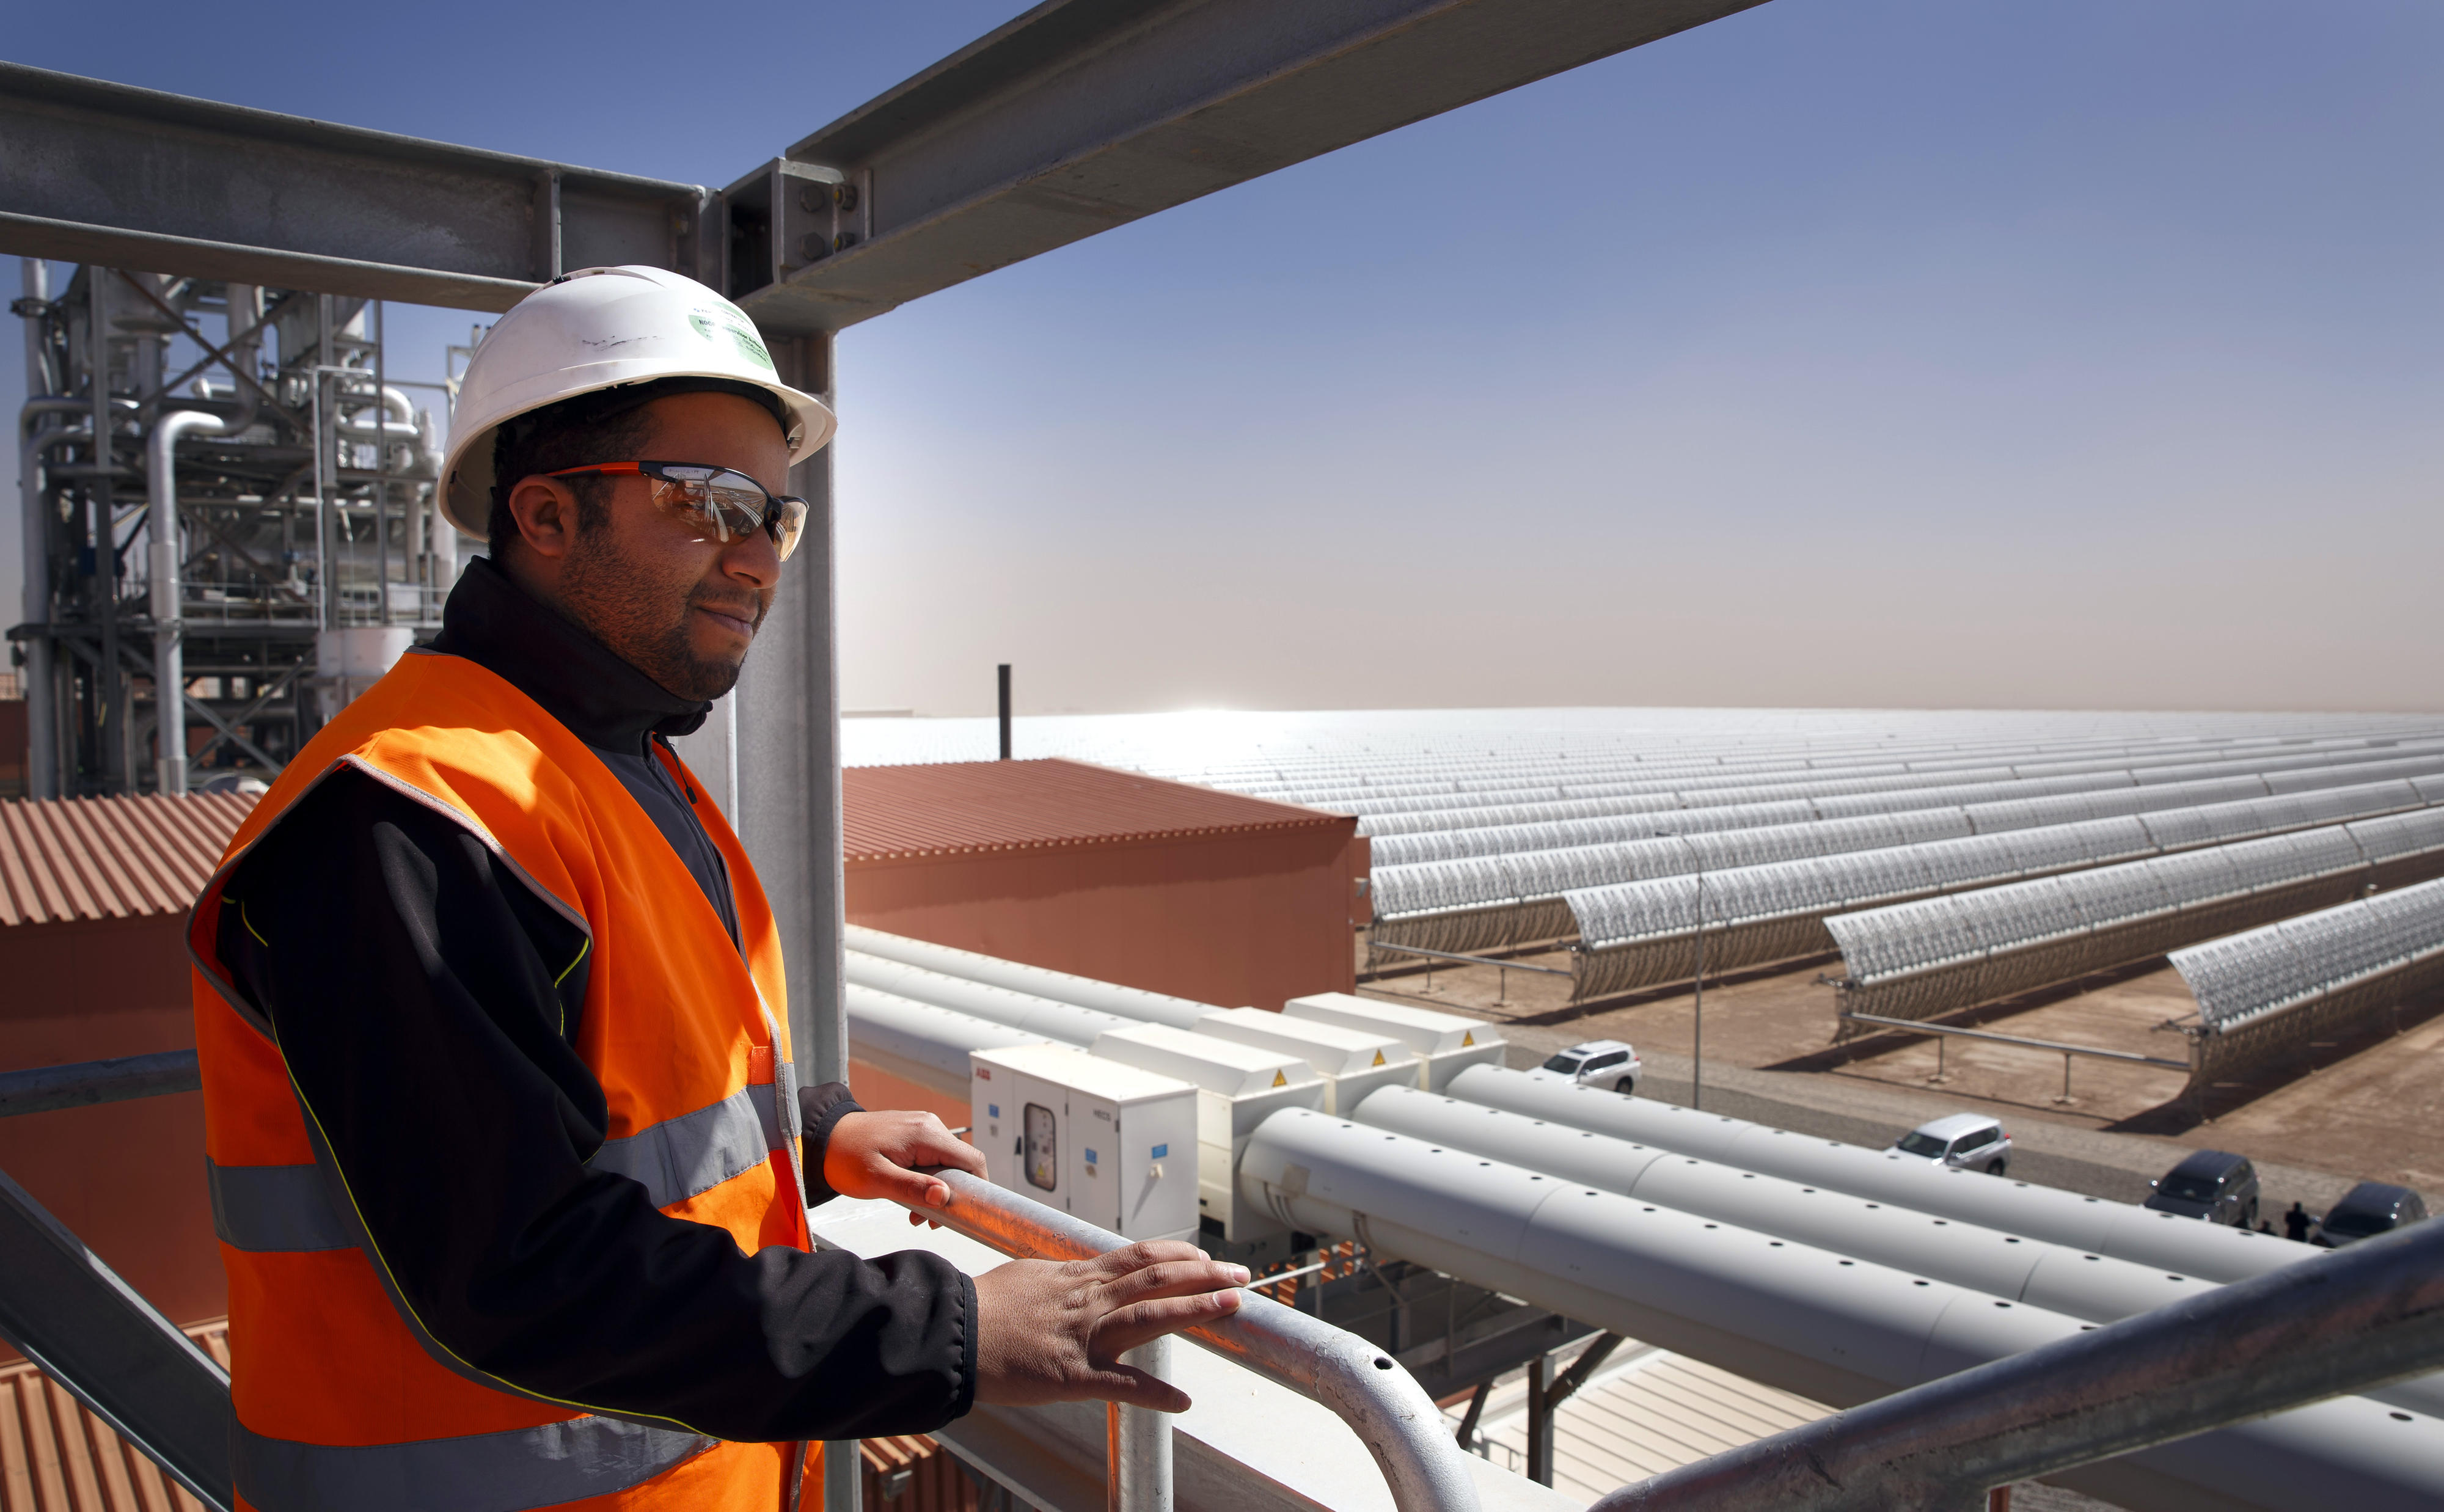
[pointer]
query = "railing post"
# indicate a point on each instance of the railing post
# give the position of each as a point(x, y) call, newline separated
point(1139, 1441)
point(1540, 1419)
point(844, 1485)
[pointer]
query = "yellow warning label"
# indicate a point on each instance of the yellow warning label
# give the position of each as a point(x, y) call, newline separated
point(1280, 1080)
point(1467, 1038)
point(1378, 1058)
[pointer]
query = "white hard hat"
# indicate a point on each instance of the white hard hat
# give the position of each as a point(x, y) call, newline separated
point(603, 328)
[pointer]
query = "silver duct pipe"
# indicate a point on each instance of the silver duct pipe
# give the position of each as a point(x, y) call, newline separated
point(2088, 1225)
point(1827, 1325)
point(161, 484)
point(2095, 1288)
point(1041, 1018)
point(1060, 986)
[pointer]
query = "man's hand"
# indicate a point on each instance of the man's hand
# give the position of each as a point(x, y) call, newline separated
point(1053, 1332)
point(874, 1155)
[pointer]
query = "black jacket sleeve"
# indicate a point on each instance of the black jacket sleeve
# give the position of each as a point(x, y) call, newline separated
point(427, 1005)
point(819, 1108)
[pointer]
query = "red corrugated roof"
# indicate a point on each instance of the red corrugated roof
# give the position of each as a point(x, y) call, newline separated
point(111, 857)
point(949, 808)
point(57, 1457)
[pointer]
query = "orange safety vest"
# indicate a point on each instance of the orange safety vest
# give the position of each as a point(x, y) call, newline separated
point(344, 1401)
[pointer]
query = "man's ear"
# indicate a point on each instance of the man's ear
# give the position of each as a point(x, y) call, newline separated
point(546, 515)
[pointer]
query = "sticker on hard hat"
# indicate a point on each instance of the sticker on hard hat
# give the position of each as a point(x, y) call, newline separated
point(706, 320)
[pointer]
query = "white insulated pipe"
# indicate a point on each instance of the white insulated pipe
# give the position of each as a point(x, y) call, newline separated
point(1828, 1326)
point(920, 1043)
point(2077, 1284)
point(169, 625)
point(2089, 1225)
point(1041, 1018)
point(1060, 986)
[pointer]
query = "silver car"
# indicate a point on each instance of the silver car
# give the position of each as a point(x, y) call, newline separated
point(1968, 1141)
point(1611, 1065)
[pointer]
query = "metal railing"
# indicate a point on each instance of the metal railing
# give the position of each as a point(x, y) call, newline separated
point(1473, 960)
point(111, 1349)
point(47, 1089)
point(2345, 1323)
point(1944, 1031)
point(1503, 968)
point(87, 1329)
point(64, 1309)
point(1401, 1427)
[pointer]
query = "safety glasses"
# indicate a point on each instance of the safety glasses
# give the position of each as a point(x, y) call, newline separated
point(723, 500)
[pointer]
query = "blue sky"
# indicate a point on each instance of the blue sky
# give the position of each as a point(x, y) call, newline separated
point(1941, 352)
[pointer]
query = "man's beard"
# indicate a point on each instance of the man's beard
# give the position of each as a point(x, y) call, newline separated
point(646, 622)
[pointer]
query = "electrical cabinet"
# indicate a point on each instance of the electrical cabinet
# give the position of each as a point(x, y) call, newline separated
point(1445, 1044)
point(1236, 1086)
point(1099, 1139)
point(1352, 1063)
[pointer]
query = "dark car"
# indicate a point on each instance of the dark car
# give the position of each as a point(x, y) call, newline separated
point(2368, 1210)
point(2215, 1185)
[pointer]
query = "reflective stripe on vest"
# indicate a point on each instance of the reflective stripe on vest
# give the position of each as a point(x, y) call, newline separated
point(696, 1151)
point(273, 1209)
point(482, 1472)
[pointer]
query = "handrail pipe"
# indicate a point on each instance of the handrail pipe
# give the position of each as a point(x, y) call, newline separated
point(1390, 1414)
point(2370, 1315)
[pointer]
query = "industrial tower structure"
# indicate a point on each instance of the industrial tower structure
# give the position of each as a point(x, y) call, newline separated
point(224, 493)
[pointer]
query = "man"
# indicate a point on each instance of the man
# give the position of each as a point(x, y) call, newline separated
point(2296, 1225)
point(508, 1160)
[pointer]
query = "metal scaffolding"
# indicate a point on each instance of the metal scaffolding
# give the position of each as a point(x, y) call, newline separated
point(224, 494)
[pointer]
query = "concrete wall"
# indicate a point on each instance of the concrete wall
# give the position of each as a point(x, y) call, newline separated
point(1247, 919)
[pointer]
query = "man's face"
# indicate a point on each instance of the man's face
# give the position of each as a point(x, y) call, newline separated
point(663, 590)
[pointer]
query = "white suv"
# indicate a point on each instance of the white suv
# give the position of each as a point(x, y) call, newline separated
point(1607, 1063)
point(1968, 1141)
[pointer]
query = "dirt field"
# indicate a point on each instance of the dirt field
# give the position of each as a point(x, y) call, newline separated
point(2368, 1110)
